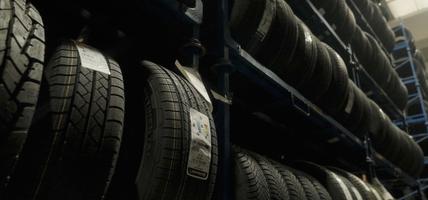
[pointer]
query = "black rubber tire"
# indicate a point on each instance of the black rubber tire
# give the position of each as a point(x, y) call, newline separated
point(375, 193)
point(417, 165)
point(250, 21)
point(335, 98)
point(357, 43)
point(349, 27)
point(357, 182)
point(397, 91)
point(382, 140)
point(356, 113)
point(302, 65)
point(279, 46)
point(322, 76)
point(405, 148)
point(355, 194)
point(295, 189)
point(321, 190)
point(249, 181)
point(392, 143)
point(22, 52)
point(345, 22)
point(309, 189)
point(376, 118)
point(168, 102)
point(276, 185)
point(334, 185)
point(87, 119)
point(381, 28)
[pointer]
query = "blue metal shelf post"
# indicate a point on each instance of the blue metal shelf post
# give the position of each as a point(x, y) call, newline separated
point(420, 118)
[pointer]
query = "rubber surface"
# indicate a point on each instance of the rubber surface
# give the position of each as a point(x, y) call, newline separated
point(295, 189)
point(357, 183)
point(87, 120)
point(249, 181)
point(163, 168)
point(22, 51)
point(276, 185)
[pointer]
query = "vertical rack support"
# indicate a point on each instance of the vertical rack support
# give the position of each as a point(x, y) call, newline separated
point(217, 15)
point(415, 76)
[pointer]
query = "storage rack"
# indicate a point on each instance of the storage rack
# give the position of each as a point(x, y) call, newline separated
point(418, 95)
point(228, 57)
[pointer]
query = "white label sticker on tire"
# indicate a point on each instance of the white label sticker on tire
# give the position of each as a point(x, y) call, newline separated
point(92, 59)
point(198, 165)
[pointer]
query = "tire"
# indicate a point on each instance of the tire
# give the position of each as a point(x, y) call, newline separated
point(321, 190)
point(22, 52)
point(397, 91)
point(345, 28)
point(322, 76)
point(375, 193)
point(352, 189)
point(334, 185)
point(309, 189)
point(250, 22)
point(348, 29)
point(277, 187)
point(335, 98)
point(302, 65)
point(87, 120)
point(279, 46)
point(376, 118)
point(357, 182)
point(356, 113)
point(169, 101)
point(295, 189)
point(250, 183)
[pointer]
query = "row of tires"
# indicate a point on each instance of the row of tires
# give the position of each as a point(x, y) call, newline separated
point(415, 106)
point(366, 48)
point(374, 16)
point(77, 147)
point(257, 177)
point(290, 50)
point(80, 156)
point(417, 58)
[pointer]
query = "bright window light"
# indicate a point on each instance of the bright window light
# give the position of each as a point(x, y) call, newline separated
point(400, 8)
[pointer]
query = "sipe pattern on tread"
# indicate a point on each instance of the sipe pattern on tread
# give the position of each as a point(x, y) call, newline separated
point(250, 183)
point(277, 187)
point(162, 173)
point(22, 52)
point(87, 109)
point(322, 191)
point(295, 189)
point(309, 189)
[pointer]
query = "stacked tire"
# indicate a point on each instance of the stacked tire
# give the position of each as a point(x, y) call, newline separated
point(74, 155)
point(378, 23)
point(257, 177)
point(295, 54)
point(368, 51)
point(395, 144)
point(284, 44)
point(170, 152)
point(22, 52)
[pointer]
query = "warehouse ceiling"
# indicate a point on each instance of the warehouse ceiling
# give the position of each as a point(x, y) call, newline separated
point(402, 8)
point(413, 14)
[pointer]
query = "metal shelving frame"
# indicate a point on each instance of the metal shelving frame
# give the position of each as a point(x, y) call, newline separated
point(230, 58)
point(418, 95)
